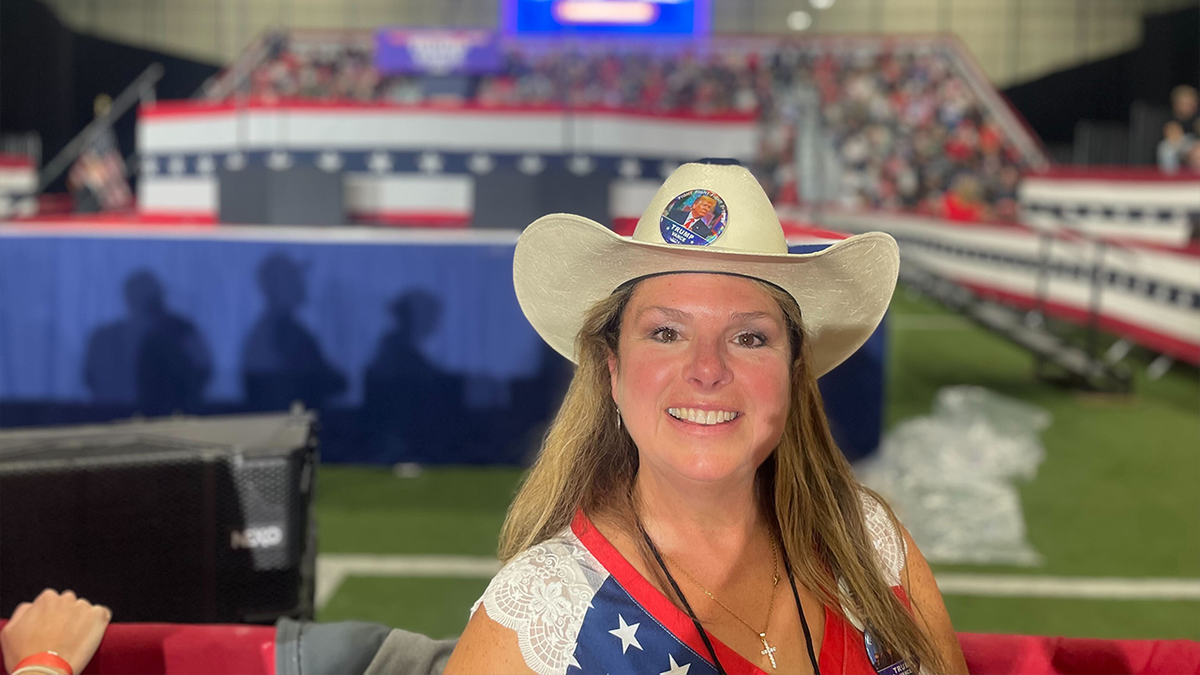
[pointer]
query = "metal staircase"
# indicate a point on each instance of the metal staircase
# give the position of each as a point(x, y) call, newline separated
point(1077, 366)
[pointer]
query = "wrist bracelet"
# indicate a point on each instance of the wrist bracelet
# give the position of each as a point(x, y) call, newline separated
point(36, 670)
point(45, 663)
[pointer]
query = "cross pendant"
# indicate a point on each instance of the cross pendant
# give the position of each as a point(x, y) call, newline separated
point(768, 650)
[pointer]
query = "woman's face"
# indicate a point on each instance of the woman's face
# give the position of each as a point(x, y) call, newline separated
point(702, 375)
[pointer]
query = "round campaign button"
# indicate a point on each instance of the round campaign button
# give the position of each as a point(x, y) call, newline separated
point(695, 218)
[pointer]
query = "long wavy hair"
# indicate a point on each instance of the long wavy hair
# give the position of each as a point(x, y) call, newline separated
point(806, 487)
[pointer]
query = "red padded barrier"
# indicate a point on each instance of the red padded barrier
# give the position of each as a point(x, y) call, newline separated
point(171, 649)
point(1002, 654)
point(179, 649)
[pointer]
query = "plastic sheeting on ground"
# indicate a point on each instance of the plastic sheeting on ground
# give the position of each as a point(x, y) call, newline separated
point(951, 476)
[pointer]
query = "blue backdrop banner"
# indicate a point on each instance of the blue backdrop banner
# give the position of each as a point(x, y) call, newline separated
point(410, 344)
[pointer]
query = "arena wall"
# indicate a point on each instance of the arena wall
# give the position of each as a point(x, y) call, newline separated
point(1014, 40)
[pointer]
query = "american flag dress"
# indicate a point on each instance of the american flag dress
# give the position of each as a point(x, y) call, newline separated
point(578, 606)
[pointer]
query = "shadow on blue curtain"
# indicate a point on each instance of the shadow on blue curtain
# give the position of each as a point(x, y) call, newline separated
point(282, 361)
point(151, 358)
point(405, 393)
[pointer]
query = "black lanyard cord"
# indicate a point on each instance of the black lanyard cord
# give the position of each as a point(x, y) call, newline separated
point(812, 655)
point(787, 568)
point(699, 628)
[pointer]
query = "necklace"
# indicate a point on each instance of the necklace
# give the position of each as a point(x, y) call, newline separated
point(787, 568)
point(767, 650)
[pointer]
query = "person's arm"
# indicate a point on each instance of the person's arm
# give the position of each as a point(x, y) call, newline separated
point(486, 647)
point(70, 627)
point(928, 607)
point(405, 653)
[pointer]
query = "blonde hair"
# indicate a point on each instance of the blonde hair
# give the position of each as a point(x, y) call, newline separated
point(806, 487)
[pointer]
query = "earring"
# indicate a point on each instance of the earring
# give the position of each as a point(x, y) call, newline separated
point(618, 418)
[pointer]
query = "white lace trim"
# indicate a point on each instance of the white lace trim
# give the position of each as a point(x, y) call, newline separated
point(890, 552)
point(543, 595)
point(890, 547)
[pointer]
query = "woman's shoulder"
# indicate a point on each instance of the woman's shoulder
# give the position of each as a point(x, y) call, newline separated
point(890, 547)
point(542, 595)
point(561, 559)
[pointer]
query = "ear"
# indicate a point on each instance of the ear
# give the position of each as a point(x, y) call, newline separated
point(612, 373)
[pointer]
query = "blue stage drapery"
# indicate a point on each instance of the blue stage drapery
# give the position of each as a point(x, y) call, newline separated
point(413, 348)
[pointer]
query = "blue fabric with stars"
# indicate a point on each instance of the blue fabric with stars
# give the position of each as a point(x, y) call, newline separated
point(619, 636)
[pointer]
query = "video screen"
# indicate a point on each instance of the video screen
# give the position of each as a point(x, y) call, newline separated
point(607, 17)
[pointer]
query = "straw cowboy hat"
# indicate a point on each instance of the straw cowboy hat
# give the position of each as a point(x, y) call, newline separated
point(709, 216)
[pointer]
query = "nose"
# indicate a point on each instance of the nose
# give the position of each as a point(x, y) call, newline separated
point(708, 367)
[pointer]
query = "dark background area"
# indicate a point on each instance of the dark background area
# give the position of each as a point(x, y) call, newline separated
point(50, 75)
point(1105, 90)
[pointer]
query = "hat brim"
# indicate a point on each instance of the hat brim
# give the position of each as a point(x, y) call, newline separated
point(564, 264)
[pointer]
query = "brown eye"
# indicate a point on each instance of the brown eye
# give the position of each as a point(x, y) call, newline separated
point(750, 340)
point(665, 334)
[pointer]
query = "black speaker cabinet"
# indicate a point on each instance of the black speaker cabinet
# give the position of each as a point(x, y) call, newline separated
point(183, 520)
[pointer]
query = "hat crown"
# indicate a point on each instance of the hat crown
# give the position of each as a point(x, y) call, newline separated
point(740, 217)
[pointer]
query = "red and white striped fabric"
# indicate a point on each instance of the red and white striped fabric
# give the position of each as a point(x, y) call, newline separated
point(18, 185)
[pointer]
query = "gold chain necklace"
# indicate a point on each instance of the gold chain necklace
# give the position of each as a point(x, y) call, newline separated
point(767, 650)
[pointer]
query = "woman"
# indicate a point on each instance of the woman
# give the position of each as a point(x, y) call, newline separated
point(689, 511)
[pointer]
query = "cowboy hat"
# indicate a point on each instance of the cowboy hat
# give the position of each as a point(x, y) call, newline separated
point(708, 216)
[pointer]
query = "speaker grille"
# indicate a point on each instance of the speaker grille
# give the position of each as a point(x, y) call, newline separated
point(160, 528)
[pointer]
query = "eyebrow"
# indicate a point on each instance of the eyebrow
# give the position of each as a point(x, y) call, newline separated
point(751, 316)
point(669, 311)
point(682, 316)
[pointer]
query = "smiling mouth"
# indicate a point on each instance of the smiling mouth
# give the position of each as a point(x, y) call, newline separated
point(705, 417)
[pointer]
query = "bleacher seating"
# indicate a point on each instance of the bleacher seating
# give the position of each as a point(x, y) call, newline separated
point(906, 124)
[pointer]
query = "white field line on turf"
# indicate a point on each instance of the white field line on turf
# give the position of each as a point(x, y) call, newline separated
point(332, 570)
point(1091, 588)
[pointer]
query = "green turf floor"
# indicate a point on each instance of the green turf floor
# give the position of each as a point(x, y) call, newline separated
point(1127, 619)
point(438, 608)
point(446, 510)
point(1118, 495)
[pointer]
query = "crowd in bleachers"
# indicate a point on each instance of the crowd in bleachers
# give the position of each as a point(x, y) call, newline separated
point(333, 71)
point(633, 81)
point(911, 135)
point(906, 130)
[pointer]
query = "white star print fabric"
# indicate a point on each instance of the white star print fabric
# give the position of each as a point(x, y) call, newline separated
point(627, 634)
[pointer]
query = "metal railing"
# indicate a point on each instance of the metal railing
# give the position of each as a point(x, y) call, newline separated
point(224, 84)
point(141, 89)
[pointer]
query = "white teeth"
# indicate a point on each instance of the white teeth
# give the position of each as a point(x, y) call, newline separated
point(705, 417)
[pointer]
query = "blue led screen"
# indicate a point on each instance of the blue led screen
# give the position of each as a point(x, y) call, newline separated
point(607, 17)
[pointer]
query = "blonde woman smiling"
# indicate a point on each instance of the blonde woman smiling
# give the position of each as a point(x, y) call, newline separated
point(689, 511)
